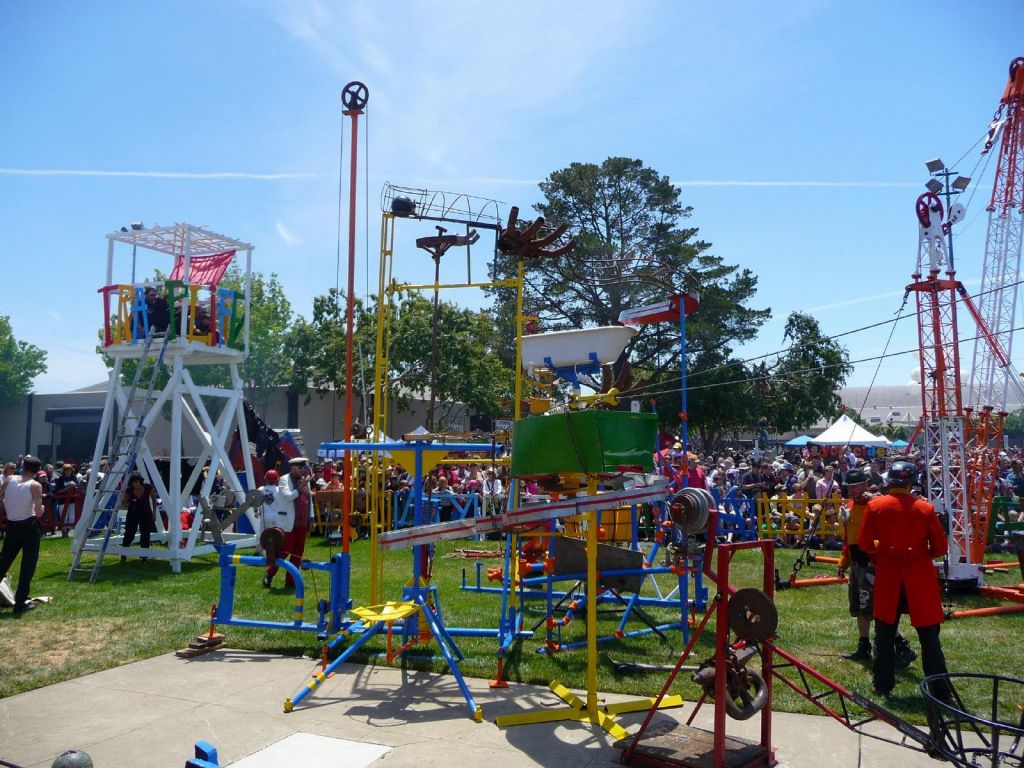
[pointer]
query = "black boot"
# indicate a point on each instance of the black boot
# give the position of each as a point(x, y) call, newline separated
point(905, 655)
point(863, 652)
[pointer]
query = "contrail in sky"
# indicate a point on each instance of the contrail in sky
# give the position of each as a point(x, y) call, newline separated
point(214, 175)
point(159, 174)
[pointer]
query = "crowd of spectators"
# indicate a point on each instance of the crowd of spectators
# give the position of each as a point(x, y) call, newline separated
point(443, 485)
point(60, 481)
point(733, 476)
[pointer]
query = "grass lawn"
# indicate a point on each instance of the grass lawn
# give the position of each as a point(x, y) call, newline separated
point(135, 611)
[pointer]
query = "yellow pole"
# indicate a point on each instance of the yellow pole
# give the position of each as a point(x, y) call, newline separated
point(376, 502)
point(519, 341)
point(592, 518)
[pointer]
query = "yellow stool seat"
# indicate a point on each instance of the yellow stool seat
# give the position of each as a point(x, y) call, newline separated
point(390, 611)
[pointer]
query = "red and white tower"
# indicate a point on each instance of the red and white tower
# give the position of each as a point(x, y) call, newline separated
point(992, 375)
point(942, 415)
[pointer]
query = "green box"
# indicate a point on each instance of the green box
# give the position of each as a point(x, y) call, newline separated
point(588, 442)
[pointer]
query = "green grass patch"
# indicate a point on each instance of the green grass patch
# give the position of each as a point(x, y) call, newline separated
point(136, 611)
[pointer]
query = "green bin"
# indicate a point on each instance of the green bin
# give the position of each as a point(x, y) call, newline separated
point(583, 442)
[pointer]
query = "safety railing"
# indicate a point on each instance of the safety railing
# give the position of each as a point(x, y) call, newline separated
point(792, 518)
point(202, 314)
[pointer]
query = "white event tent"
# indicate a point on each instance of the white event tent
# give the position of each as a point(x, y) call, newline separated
point(846, 432)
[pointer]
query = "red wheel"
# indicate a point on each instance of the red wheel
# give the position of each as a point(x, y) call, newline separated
point(926, 203)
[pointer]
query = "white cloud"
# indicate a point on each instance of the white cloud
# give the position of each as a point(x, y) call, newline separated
point(289, 237)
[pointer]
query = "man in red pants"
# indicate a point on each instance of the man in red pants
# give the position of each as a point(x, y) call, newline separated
point(293, 490)
point(903, 535)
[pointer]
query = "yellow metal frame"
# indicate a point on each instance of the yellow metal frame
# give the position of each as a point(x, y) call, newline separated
point(591, 710)
point(376, 501)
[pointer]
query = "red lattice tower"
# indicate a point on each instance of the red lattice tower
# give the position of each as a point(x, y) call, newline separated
point(992, 375)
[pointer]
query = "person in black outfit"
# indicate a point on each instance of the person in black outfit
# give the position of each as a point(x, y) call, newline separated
point(140, 500)
point(158, 312)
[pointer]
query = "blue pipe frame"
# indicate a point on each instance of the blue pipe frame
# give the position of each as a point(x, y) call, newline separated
point(544, 590)
point(418, 591)
point(330, 621)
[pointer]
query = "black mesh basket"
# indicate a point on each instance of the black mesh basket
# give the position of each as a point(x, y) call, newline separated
point(976, 721)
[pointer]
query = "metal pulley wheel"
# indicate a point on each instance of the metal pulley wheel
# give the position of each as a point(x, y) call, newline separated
point(752, 615)
point(355, 95)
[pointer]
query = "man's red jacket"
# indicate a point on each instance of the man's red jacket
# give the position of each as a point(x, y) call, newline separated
point(903, 535)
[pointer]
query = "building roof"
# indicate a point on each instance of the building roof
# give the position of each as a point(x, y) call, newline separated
point(882, 405)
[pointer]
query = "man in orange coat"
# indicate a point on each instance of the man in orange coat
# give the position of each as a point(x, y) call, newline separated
point(903, 535)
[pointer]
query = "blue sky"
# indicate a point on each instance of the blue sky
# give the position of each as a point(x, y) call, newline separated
point(798, 132)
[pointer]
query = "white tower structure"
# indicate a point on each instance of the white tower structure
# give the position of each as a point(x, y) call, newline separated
point(193, 320)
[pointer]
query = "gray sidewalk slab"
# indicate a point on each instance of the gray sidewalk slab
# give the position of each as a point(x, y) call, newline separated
point(150, 713)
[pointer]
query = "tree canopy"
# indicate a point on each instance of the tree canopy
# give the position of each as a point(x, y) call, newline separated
point(469, 368)
point(802, 385)
point(634, 248)
point(20, 363)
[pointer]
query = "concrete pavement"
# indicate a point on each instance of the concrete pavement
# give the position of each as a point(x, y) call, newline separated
point(150, 713)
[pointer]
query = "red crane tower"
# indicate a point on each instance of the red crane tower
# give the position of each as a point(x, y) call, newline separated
point(991, 376)
point(962, 443)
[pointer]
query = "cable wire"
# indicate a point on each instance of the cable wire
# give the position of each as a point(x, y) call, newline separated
point(792, 374)
point(833, 337)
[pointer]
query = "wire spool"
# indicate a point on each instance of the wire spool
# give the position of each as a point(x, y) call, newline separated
point(691, 510)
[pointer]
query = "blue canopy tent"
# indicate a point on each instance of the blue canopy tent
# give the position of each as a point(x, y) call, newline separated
point(798, 442)
point(898, 444)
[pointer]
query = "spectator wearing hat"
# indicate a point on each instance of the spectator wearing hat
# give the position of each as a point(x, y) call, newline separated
point(294, 489)
point(23, 502)
point(786, 480)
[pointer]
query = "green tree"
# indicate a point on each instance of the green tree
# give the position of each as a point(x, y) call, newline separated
point(718, 401)
point(1013, 425)
point(268, 365)
point(318, 346)
point(803, 386)
point(20, 363)
point(469, 369)
point(634, 248)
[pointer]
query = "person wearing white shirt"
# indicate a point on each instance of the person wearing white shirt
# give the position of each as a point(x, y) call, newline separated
point(23, 502)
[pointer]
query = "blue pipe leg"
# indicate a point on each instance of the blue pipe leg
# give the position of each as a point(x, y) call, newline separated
point(442, 642)
point(313, 684)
